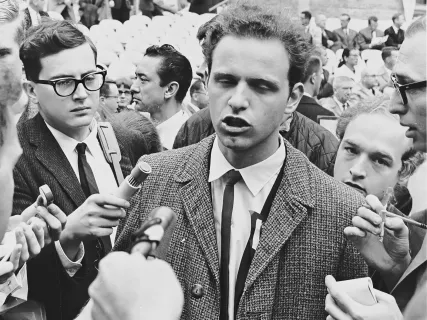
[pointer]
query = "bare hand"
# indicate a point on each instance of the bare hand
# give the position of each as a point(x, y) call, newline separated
point(152, 290)
point(390, 256)
point(9, 267)
point(340, 306)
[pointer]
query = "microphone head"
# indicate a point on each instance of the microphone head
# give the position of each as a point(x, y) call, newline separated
point(168, 217)
point(139, 174)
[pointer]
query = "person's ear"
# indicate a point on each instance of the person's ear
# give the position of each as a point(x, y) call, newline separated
point(313, 78)
point(101, 99)
point(29, 88)
point(294, 98)
point(171, 89)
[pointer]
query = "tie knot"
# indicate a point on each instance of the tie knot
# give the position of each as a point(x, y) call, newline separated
point(232, 177)
point(81, 148)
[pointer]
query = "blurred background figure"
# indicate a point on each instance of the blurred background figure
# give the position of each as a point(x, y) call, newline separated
point(389, 55)
point(346, 35)
point(313, 33)
point(329, 39)
point(121, 9)
point(199, 98)
point(366, 88)
point(348, 67)
point(88, 13)
point(63, 7)
point(202, 6)
point(395, 33)
point(343, 87)
point(108, 101)
point(33, 13)
point(369, 37)
point(124, 93)
point(325, 89)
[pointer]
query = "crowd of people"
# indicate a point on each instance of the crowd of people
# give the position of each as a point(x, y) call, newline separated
point(276, 212)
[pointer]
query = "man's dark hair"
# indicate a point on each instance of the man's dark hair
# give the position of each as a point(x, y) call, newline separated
point(245, 19)
point(197, 86)
point(395, 16)
point(313, 66)
point(106, 88)
point(346, 15)
point(174, 67)
point(49, 38)
point(307, 14)
point(386, 52)
point(372, 18)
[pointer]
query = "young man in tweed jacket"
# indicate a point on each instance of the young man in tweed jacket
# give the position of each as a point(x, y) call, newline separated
point(256, 59)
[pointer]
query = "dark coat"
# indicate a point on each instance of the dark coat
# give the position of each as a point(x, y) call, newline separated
point(394, 40)
point(202, 6)
point(347, 41)
point(329, 35)
point(317, 143)
point(326, 89)
point(301, 242)
point(311, 109)
point(43, 162)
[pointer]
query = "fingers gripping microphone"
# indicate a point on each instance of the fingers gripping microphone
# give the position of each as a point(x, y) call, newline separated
point(133, 182)
point(156, 230)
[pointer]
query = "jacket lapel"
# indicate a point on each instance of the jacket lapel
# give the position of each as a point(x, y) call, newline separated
point(288, 209)
point(197, 200)
point(51, 156)
point(419, 259)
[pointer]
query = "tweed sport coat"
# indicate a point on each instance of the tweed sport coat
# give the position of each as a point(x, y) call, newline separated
point(302, 240)
point(43, 162)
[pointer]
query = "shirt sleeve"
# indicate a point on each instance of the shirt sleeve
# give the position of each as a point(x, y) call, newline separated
point(16, 286)
point(70, 266)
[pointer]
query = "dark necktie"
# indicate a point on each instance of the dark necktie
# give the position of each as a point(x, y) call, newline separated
point(88, 183)
point(344, 106)
point(231, 178)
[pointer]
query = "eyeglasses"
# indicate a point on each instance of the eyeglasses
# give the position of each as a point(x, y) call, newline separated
point(115, 97)
point(126, 93)
point(65, 87)
point(402, 88)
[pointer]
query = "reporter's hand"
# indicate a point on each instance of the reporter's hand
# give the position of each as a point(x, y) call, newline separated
point(390, 257)
point(129, 287)
point(94, 218)
point(340, 306)
point(7, 268)
point(31, 238)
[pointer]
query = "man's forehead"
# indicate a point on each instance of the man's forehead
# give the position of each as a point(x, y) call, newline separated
point(148, 65)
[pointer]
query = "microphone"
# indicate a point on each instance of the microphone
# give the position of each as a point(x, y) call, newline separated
point(153, 237)
point(133, 182)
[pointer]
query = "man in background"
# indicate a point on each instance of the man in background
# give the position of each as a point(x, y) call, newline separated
point(343, 87)
point(108, 98)
point(329, 39)
point(163, 77)
point(389, 56)
point(395, 33)
point(369, 37)
point(312, 79)
point(325, 89)
point(313, 33)
point(366, 88)
point(125, 94)
point(199, 98)
point(347, 36)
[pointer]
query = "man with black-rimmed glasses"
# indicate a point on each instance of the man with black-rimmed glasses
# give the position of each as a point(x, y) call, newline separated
point(61, 148)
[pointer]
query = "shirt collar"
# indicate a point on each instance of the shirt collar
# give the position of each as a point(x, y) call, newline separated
point(193, 106)
point(307, 94)
point(396, 29)
point(255, 176)
point(68, 144)
point(165, 124)
point(337, 101)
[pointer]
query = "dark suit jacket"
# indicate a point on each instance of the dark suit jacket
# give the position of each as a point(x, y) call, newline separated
point(301, 242)
point(43, 162)
point(316, 142)
point(394, 40)
point(348, 41)
point(364, 39)
point(202, 6)
point(27, 18)
point(311, 109)
point(326, 89)
point(333, 37)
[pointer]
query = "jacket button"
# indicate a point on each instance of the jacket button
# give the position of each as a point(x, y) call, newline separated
point(197, 291)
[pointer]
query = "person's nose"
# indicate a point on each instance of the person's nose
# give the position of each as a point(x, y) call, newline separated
point(358, 169)
point(396, 105)
point(239, 99)
point(134, 88)
point(81, 92)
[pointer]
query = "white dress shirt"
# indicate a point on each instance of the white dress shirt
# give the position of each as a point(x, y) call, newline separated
point(102, 172)
point(345, 71)
point(250, 193)
point(193, 106)
point(168, 129)
point(35, 16)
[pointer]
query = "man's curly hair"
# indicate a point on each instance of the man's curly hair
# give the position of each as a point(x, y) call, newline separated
point(246, 19)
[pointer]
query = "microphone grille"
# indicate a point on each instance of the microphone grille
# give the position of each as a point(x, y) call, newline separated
point(139, 174)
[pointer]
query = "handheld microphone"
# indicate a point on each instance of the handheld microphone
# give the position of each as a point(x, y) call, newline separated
point(133, 182)
point(153, 238)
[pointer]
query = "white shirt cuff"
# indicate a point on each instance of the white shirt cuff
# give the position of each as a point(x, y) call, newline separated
point(70, 266)
point(16, 285)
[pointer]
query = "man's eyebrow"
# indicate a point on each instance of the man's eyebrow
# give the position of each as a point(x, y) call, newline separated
point(268, 82)
point(5, 51)
point(64, 75)
point(351, 143)
point(383, 155)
